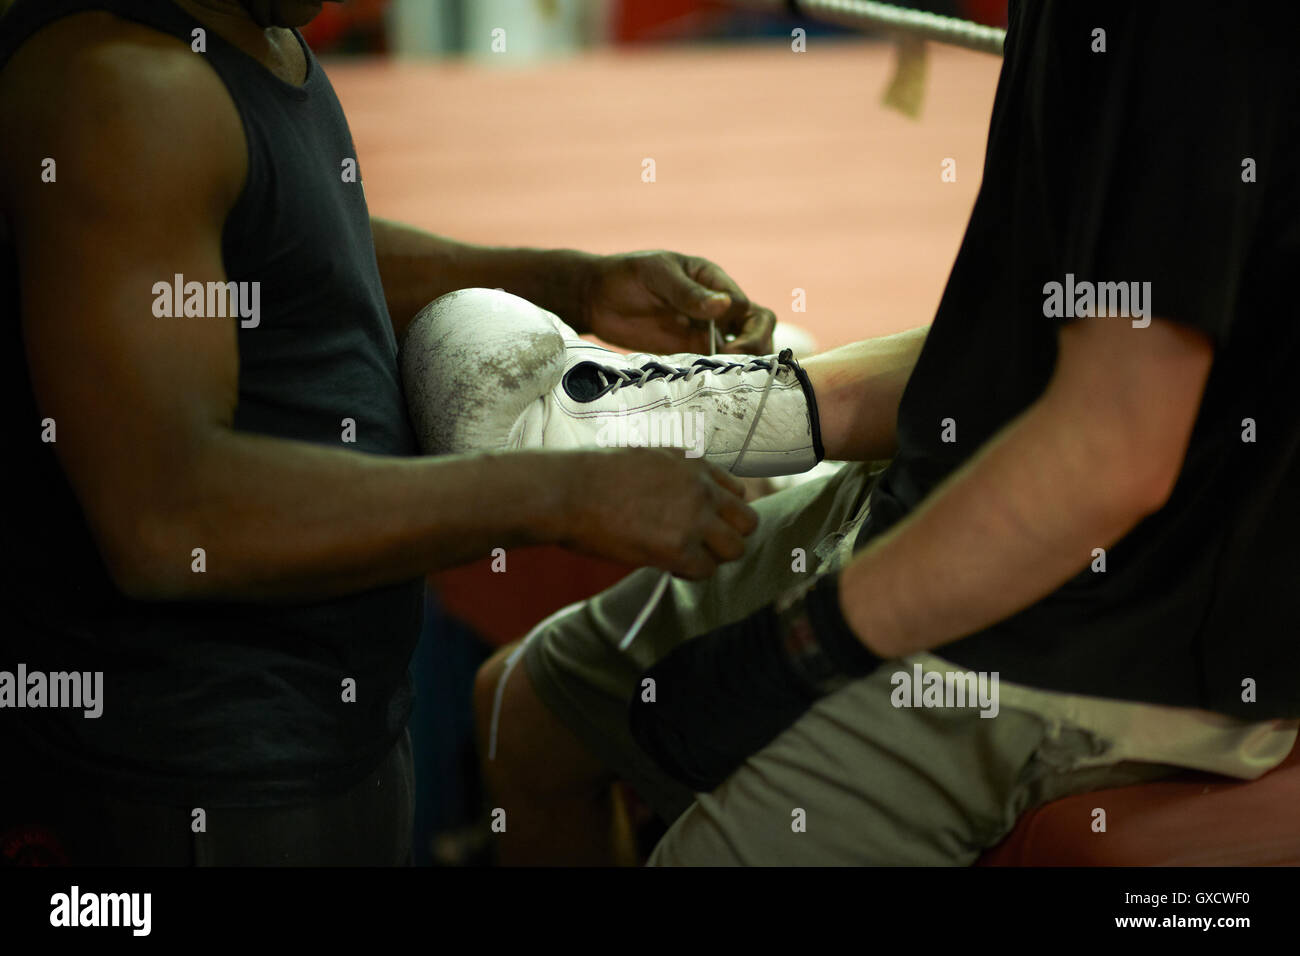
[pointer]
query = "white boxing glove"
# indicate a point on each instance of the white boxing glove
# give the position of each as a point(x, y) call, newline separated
point(487, 370)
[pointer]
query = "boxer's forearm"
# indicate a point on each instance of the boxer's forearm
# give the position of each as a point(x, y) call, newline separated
point(1100, 449)
point(417, 267)
point(1008, 528)
point(286, 520)
point(858, 389)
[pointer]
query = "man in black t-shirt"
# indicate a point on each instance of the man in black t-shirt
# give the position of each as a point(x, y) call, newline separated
point(1091, 513)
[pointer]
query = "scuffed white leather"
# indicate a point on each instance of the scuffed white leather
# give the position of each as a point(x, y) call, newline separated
point(483, 370)
point(472, 361)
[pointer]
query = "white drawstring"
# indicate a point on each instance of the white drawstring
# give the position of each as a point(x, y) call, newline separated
point(510, 665)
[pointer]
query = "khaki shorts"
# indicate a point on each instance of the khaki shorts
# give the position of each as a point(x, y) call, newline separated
point(855, 780)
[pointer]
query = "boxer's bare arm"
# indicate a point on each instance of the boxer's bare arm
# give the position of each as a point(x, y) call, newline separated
point(1100, 450)
point(859, 388)
point(150, 158)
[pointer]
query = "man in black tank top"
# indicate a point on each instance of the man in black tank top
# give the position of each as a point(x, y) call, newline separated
point(220, 525)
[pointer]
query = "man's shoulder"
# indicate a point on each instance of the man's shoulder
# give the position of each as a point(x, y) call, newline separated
point(95, 55)
point(94, 86)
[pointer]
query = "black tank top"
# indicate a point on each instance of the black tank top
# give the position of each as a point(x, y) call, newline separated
point(223, 704)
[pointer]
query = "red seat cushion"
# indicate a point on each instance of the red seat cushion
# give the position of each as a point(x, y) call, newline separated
point(1194, 819)
point(503, 606)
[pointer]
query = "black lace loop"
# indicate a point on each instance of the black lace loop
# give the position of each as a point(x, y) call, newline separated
point(615, 378)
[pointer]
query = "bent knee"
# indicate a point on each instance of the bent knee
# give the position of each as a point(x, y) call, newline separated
point(532, 751)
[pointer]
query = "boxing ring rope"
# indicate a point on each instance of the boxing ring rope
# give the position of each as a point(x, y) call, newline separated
point(868, 14)
point(911, 30)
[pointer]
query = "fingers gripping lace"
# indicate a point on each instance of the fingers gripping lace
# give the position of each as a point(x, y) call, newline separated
point(772, 366)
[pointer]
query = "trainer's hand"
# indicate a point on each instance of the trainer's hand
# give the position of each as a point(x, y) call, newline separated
point(655, 507)
point(662, 302)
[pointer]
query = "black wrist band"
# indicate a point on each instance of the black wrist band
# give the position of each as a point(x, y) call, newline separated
point(814, 419)
point(821, 646)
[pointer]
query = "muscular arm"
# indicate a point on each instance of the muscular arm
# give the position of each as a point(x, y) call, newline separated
point(150, 158)
point(652, 300)
point(417, 267)
point(1101, 449)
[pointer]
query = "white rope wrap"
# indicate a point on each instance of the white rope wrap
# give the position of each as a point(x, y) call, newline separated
point(861, 14)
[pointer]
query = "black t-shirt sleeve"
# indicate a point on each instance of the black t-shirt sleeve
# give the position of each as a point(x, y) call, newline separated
point(1151, 139)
